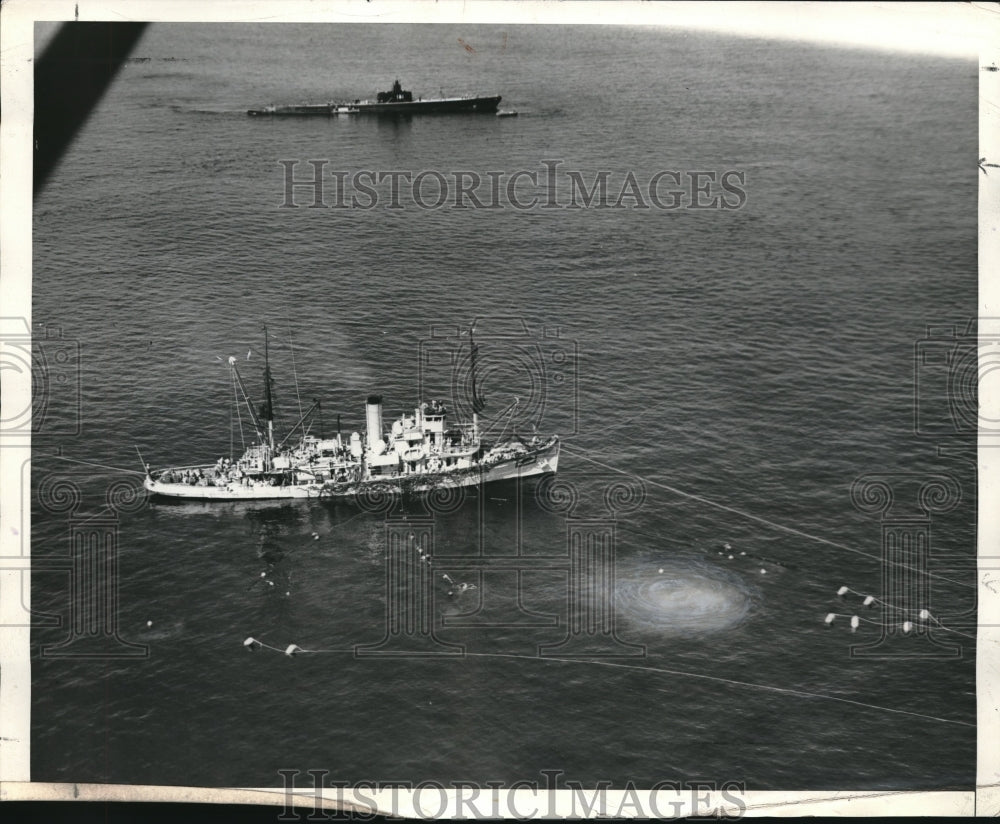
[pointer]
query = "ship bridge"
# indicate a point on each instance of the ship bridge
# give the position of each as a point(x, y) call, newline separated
point(416, 443)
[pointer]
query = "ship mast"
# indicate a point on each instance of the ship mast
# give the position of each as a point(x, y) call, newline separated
point(477, 403)
point(254, 417)
point(267, 410)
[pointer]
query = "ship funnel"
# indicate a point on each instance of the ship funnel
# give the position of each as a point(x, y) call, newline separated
point(373, 421)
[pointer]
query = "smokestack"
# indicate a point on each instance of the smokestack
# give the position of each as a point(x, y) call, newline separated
point(374, 420)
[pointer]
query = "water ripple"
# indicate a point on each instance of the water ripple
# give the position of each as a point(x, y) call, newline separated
point(684, 598)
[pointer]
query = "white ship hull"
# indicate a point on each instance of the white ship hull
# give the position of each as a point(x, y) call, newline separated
point(541, 461)
point(416, 453)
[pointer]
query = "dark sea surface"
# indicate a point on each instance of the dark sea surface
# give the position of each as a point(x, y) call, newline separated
point(759, 359)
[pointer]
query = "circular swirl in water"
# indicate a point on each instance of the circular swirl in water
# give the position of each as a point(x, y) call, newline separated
point(679, 598)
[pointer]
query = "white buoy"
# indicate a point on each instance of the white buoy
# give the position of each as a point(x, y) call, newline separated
point(149, 623)
point(842, 591)
point(661, 570)
point(743, 553)
point(763, 572)
point(251, 644)
point(292, 649)
point(315, 537)
point(829, 617)
point(287, 593)
point(726, 546)
point(270, 583)
point(925, 614)
point(869, 600)
point(855, 623)
point(730, 557)
point(907, 626)
point(263, 575)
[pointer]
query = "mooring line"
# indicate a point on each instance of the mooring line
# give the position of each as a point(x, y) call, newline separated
point(767, 687)
point(758, 518)
point(294, 649)
point(88, 463)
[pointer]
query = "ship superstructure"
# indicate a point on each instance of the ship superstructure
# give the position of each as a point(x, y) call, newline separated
point(418, 452)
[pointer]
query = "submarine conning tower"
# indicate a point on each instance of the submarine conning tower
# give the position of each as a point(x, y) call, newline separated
point(397, 95)
point(373, 419)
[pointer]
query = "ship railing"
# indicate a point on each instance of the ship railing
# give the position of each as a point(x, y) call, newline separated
point(158, 472)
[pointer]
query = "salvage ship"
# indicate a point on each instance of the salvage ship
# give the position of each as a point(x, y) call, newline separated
point(420, 452)
point(395, 102)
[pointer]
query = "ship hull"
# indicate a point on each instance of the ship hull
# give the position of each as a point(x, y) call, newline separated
point(455, 105)
point(538, 462)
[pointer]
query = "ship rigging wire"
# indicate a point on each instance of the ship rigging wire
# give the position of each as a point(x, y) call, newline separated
point(510, 416)
point(295, 374)
point(239, 417)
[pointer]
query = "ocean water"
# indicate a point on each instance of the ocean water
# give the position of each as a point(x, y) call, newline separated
point(740, 368)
